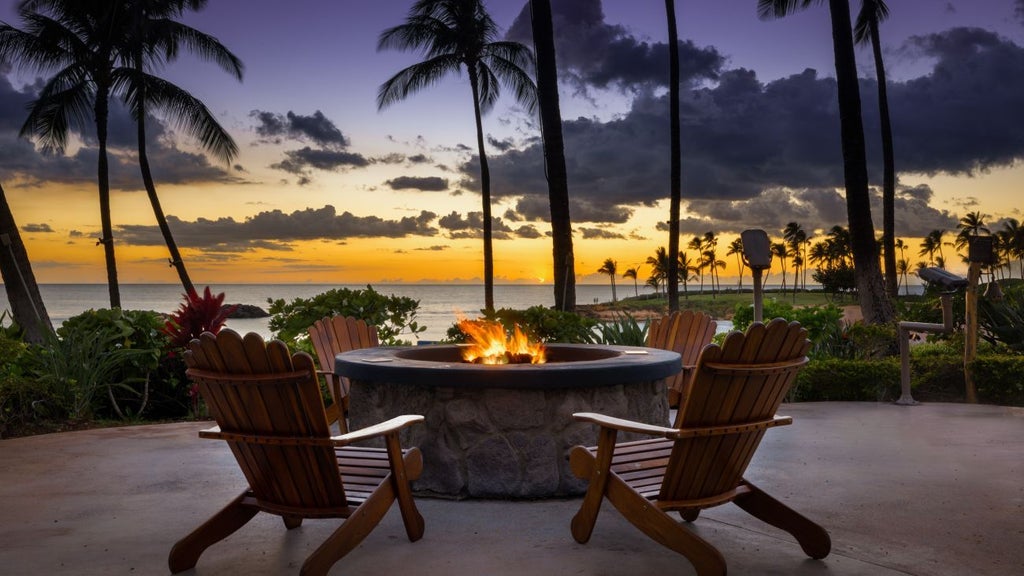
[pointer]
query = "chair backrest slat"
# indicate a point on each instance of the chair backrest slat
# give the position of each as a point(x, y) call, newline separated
point(743, 380)
point(259, 389)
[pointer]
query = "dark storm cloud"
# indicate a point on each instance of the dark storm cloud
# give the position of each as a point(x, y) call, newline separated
point(426, 184)
point(592, 233)
point(471, 226)
point(1019, 10)
point(528, 232)
point(594, 53)
point(275, 228)
point(748, 147)
point(297, 161)
point(418, 159)
point(291, 126)
point(330, 154)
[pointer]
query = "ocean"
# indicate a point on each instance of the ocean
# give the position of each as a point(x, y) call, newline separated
point(439, 304)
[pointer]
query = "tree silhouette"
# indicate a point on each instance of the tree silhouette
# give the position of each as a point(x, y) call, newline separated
point(736, 249)
point(632, 273)
point(610, 267)
point(676, 162)
point(453, 34)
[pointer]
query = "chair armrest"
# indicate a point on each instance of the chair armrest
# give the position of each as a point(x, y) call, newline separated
point(382, 429)
point(625, 425)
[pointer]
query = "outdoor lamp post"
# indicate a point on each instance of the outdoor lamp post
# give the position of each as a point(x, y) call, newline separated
point(757, 255)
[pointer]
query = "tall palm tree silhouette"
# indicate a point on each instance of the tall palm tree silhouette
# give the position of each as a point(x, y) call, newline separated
point(610, 267)
point(872, 13)
point(453, 34)
point(874, 300)
point(632, 273)
point(676, 162)
point(77, 41)
point(155, 38)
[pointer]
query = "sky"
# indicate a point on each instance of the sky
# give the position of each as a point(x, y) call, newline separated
point(326, 188)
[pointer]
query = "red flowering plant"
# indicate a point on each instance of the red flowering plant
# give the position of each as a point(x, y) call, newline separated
point(197, 314)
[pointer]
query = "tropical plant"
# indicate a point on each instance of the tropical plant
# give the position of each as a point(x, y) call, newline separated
point(74, 40)
point(610, 267)
point(197, 314)
point(659, 267)
point(697, 243)
point(623, 330)
point(779, 251)
point(393, 316)
point(932, 245)
point(452, 34)
point(632, 273)
point(736, 249)
point(874, 301)
point(686, 269)
point(676, 161)
point(154, 38)
point(540, 323)
point(554, 156)
point(872, 13)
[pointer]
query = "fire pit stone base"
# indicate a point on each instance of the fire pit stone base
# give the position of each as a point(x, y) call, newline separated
point(483, 442)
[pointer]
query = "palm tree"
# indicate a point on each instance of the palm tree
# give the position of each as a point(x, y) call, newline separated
point(659, 267)
point(686, 269)
point(1015, 242)
point(874, 301)
point(27, 306)
point(710, 254)
point(610, 267)
point(970, 225)
point(697, 243)
point(554, 156)
point(632, 273)
point(779, 251)
point(933, 243)
point(872, 13)
point(77, 40)
point(155, 39)
point(795, 238)
point(903, 268)
point(676, 162)
point(452, 34)
point(736, 248)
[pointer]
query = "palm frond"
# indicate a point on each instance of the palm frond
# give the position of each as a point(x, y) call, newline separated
point(415, 78)
point(769, 9)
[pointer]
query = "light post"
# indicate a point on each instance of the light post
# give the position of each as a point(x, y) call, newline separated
point(757, 255)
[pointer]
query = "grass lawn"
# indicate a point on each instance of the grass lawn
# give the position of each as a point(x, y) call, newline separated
point(721, 305)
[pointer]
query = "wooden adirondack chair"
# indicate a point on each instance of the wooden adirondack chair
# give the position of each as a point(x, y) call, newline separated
point(268, 408)
point(700, 462)
point(333, 335)
point(687, 333)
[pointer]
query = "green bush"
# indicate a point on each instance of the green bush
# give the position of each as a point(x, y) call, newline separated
point(394, 316)
point(24, 401)
point(848, 380)
point(999, 379)
point(539, 323)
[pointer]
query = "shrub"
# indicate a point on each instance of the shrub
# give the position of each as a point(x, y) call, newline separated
point(624, 330)
point(197, 314)
point(849, 380)
point(393, 316)
point(999, 379)
point(24, 401)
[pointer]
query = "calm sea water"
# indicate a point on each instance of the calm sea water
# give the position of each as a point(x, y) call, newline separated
point(439, 303)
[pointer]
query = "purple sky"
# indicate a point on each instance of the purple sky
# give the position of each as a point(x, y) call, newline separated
point(761, 132)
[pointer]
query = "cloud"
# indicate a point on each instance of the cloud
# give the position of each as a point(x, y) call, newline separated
point(593, 233)
point(426, 184)
point(330, 154)
point(274, 229)
point(1018, 10)
point(30, 228)
point(773, 149)
point(593, 53)
point(471, 226)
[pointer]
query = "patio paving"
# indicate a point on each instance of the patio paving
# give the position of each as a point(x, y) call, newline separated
point(935, 489)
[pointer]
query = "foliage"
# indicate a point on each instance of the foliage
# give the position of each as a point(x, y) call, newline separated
point(998, 379)
point(539, 323)
point(837, 279)
point(197, 314)
point(23, 400)
point(1003, 322)
point(624, 330)
point(838, 379)
point(823, 323)
point(392, 315)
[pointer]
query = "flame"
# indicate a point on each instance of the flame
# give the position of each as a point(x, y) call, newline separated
point(488, 344)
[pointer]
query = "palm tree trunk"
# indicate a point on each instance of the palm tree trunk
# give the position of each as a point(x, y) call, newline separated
point(485, 191)
point(874, 302)
point(19, 281)
point(888, 171)
point(554, 156)
point(107, 239)
point(676, 160)
point(158, 211)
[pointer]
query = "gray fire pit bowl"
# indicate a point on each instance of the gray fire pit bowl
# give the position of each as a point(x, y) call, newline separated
point(504, 431)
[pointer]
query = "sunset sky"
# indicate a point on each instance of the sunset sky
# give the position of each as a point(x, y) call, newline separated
point(328, 189)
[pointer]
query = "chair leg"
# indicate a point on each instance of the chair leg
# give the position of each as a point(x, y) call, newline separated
point(814, 540)
point(408, 469)
point(661, 528)
point(292, 522)
point(352, 531)
point(690, 514)
point(186, 552)
point(587, 466)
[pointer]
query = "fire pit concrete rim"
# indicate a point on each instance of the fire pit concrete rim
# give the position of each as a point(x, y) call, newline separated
point(440, 365)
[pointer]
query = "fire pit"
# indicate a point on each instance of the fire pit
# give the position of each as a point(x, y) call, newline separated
point(503, 431)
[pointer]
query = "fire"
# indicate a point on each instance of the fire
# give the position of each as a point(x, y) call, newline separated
point(488, 344)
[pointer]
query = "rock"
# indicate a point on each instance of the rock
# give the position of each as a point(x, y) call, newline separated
point(246, 311)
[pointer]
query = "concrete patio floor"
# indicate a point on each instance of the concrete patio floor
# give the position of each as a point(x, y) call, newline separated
point(935, 489)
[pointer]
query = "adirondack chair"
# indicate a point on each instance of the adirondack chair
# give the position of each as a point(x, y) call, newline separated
point(687, 333)
point(330, 336)
point(700, 462)
point(268, 408)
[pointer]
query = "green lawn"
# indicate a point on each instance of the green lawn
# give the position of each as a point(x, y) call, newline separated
point(719, 305)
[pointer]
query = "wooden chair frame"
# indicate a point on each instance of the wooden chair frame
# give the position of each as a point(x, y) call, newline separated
point(271, 414)
point(699, 463)
point(686, 332)
point(330, 336)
